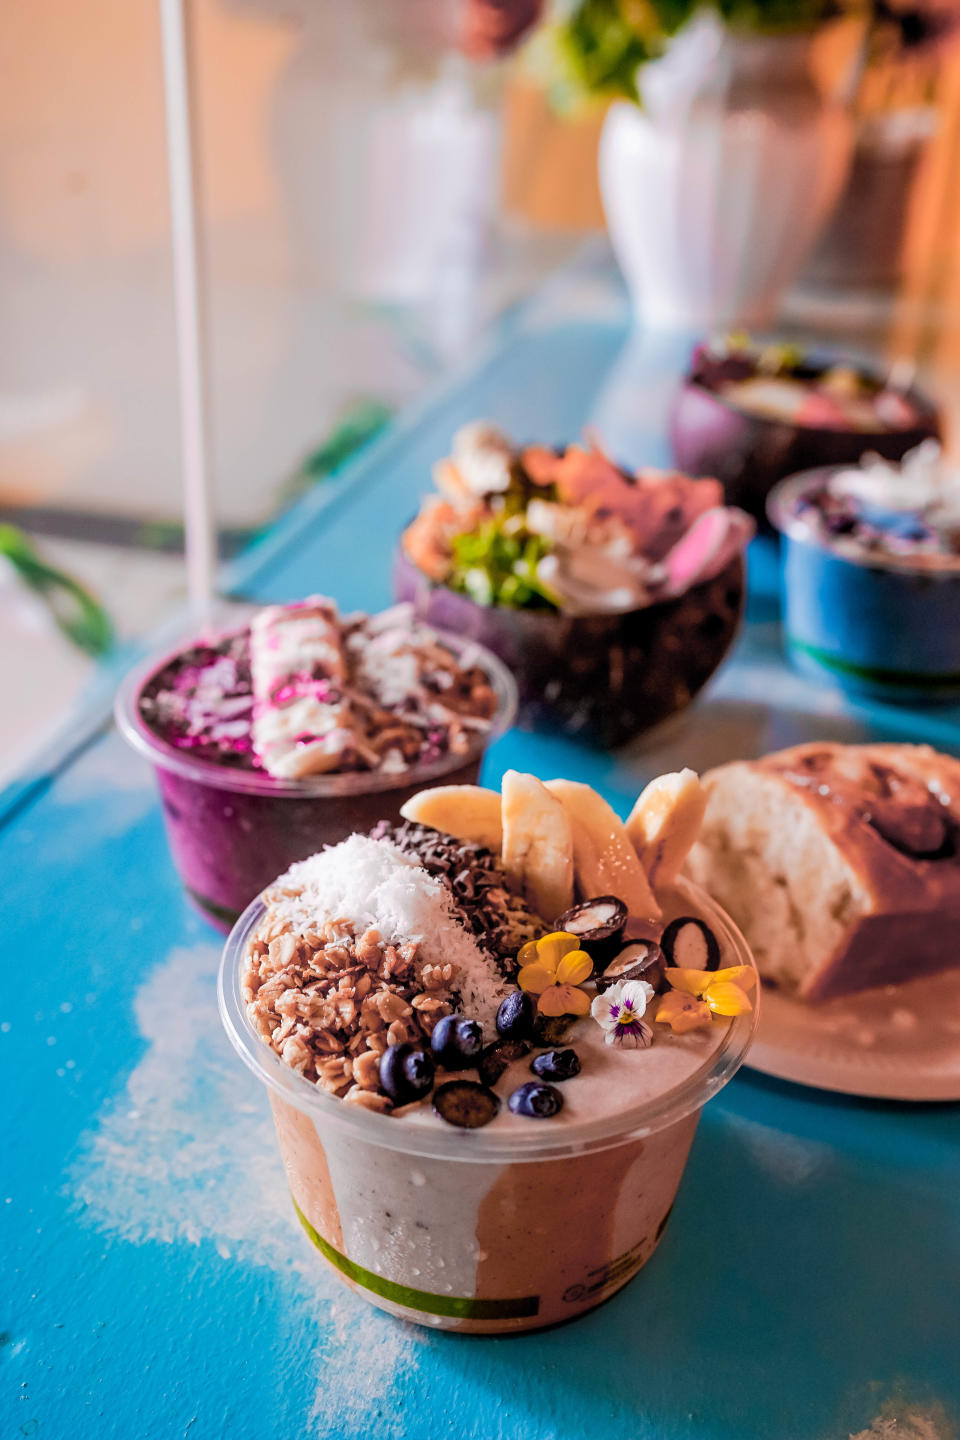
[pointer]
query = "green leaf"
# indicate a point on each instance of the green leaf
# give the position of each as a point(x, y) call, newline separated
point(76, 612)
point(599, 48)
point(360, 423)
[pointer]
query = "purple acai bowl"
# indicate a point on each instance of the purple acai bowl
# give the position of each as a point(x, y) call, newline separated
point(233, 831)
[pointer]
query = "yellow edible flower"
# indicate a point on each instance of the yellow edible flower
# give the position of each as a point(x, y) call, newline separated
point(552, 968)
point(697, 995)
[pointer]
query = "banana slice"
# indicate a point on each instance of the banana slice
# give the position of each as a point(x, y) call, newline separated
point(665, 822)
point(604, 859)
point(537, 844)
point(467, 812)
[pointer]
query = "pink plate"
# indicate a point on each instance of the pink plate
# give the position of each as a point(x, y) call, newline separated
point(901, 1042)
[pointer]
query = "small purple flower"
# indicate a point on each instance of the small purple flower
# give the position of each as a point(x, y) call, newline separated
point(619, 1012)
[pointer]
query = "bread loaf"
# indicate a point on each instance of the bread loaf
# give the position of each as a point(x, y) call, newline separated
point(840, 863)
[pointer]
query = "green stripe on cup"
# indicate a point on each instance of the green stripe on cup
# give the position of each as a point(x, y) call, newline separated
point(462, 1307)
point(219, 912)
point(914, 680)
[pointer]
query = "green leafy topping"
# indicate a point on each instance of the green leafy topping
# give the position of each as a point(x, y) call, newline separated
point(496, 564)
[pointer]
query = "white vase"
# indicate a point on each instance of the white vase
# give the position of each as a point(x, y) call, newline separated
point(717, 189)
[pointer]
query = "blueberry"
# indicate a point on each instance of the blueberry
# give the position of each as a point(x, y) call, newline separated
point(406, 1073)
point(456, 1043)
point(465, 1103)
point(552, 1029)
point(537, 1100)
point(496, 1057)
point(556, 1065)
point(516, 1016)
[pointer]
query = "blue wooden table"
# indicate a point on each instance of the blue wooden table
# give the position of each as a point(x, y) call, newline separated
point(153, 1280)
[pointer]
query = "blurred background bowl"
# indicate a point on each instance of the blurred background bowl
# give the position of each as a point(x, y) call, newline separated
point(749, 453)
point(604, 678)
point(880, 627)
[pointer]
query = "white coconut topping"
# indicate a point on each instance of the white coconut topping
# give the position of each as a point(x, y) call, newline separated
point(373, 884)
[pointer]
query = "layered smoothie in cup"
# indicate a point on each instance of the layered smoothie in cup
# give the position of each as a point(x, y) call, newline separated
point(485, 1113)
point(294, 726)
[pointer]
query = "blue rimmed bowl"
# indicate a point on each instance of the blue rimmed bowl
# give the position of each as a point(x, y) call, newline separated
point(881, 626)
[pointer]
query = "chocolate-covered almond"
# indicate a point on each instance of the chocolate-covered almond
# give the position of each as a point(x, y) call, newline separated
point(598, 924)
point(690, 944)
point(642, 960)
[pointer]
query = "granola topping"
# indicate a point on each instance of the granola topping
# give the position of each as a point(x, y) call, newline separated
point(360, 949)
point(329, 1003)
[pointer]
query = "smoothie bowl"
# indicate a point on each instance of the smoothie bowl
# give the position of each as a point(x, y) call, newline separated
point(872, 575)
point(292, 730)
point(612, 597)
point(485, 1113)
point(752, 415)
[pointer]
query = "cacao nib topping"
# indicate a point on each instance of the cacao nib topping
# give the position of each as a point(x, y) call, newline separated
point(499, 920)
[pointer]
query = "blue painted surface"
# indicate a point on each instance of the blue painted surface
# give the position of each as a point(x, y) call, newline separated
point(154, 1281)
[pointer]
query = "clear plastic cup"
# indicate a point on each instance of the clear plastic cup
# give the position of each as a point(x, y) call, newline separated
point(475, 1230)
point(232, 831)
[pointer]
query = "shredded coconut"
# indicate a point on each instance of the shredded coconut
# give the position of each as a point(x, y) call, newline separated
point(373, 884)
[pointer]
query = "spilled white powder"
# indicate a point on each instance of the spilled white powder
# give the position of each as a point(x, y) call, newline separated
point(372, 883)
point(904, 1427)
point(792, 1160)
point(186, 1154)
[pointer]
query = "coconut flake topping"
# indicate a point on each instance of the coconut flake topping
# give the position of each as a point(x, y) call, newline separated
point(373, 884)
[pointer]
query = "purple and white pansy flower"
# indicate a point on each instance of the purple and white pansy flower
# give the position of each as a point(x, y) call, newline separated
point(619, 1011)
